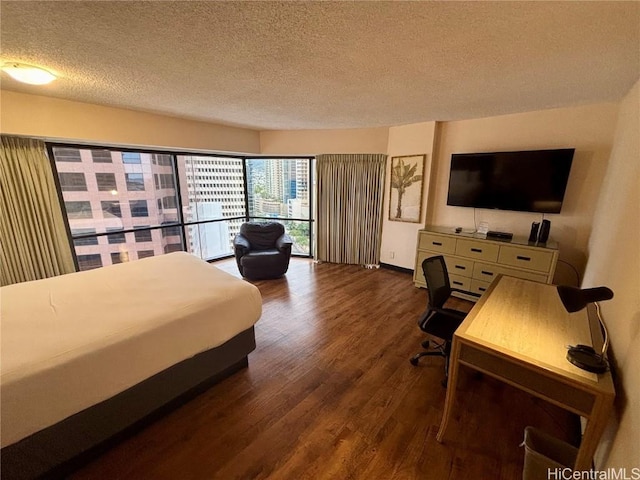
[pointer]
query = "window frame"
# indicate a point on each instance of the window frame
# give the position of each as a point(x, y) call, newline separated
point(180, 222)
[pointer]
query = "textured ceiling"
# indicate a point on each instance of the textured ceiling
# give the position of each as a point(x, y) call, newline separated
point(291, 65)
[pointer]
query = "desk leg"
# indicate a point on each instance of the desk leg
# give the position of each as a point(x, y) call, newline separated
point(452, 386)
point(595, 426)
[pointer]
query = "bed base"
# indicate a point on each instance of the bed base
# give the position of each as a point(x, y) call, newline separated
point(60, 449)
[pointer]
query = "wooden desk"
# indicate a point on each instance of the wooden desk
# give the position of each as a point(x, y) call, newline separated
point(518, 333)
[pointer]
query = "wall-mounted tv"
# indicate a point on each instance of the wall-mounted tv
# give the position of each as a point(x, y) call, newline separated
point(526, 181)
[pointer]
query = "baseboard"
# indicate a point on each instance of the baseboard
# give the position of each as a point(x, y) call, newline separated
point(396, 268)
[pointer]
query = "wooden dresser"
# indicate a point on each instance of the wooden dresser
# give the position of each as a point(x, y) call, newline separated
point(473, 261)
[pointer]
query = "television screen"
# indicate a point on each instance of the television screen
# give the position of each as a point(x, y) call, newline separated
point(527, 181)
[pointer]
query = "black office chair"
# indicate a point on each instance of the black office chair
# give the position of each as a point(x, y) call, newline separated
point(436, 320)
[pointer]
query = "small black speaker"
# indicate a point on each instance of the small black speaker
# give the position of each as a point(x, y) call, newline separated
point(544, 231)
point(533, 236)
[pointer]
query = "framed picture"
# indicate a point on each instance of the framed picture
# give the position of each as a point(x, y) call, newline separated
point(405, 197)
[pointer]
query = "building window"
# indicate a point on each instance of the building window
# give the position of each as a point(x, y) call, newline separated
point(162, 159)
point(106, 182)
point(169, 202)
point(135, 182)
point(130, 157)
point(116, 237)
point(111, 208)
point(173, 247)
point(171, 231)
point(143, 235)
point(116, 257)
point(139, 208)
point(166, 180)
point(145, 254)
point(79, 242)
point(78, 210)
point(89, 262)
point(67, 154)
point(101, 156)
point(72, 182)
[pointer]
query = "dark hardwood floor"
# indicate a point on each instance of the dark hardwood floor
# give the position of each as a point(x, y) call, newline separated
point(330, 394)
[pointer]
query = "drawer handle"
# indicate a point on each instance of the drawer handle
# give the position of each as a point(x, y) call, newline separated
point(484, 272)
point(526, 259)
point(437, 243)
point(477, 250)
point(482, 289)
point(460, 267)
point(457, 283)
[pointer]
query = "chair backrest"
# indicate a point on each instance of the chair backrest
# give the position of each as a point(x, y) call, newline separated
point(437, 278)
point(262, 235)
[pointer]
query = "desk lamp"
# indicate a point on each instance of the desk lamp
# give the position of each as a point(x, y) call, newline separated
point(575, 299)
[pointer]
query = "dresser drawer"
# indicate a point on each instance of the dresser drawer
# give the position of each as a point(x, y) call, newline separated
point(486, 272)
point(478, 250)
point(459, 266)
point(437, 243)
point(479, 287)
point(525, 258)
point(457, 281)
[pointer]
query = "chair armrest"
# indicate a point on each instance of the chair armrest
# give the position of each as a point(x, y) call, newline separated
point(241, 244)
point(466, 293)
point(284, 243)
point(458, 315)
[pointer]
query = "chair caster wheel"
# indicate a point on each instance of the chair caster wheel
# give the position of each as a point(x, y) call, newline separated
point(425, 344)
point(414, 362)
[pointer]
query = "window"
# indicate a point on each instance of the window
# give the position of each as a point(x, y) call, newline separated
point(130, 157)
point(115, 237)
point(67, 154)
point(219, 193)
point(146, 253)
point(139, 208)
point(170, 231)
point(169, 202)
point(143, 235)
point(116, 257)
point(89, 262)
point(135, 182)
point(111, 208)
point(161, 159)
point(72, 182)
point(166, 180)
point(78, 210)
point(79, 242)
point(106, 182)
point(101, 156)
point(173, 247)
point(279, 189)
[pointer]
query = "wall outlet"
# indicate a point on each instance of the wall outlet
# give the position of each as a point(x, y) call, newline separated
point(392, 254)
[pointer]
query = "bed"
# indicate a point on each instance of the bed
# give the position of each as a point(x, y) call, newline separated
point(90, 356)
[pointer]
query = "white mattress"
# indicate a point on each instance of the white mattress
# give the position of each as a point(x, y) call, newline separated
point(75, 340)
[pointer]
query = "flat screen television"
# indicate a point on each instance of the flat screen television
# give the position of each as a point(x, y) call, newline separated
point(526, 181)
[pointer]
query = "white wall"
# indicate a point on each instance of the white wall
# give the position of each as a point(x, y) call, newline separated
point(398, 245)
point(614, 261)
point(588, 129)
point(54, 119)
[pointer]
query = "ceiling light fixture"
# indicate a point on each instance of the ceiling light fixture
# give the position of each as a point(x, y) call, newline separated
point(28, 73)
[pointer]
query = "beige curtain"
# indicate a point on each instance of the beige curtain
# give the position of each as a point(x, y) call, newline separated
point(33, 238)
point(350, 195)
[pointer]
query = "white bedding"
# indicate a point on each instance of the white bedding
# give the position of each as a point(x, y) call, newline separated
point(75, 340)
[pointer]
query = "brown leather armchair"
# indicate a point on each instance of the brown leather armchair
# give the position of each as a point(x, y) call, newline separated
point(262, 250)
